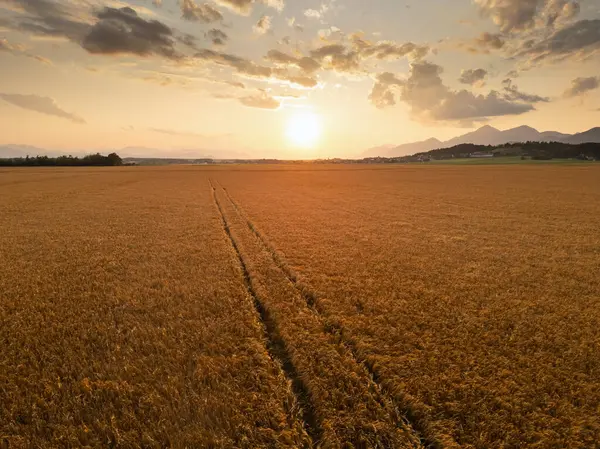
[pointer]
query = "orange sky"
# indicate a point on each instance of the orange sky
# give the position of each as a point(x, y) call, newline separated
point(230, 78)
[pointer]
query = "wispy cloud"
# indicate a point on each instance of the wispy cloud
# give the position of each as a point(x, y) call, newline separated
point(43, 105)
point(582, 85)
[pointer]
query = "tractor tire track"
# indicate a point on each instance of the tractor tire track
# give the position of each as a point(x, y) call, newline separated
point(416, 415)
point(348, 405)
point(275, 346)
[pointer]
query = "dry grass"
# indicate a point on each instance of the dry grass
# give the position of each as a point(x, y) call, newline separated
point(301, 306)
point(473, 292)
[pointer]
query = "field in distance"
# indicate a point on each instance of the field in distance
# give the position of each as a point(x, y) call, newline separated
point(301, 306)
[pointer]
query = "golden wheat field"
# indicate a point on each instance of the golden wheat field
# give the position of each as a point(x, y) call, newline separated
point(300, 306)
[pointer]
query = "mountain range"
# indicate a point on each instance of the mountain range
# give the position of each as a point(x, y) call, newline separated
point(486, 135)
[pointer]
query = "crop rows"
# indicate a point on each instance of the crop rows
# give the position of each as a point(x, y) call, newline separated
point(124, 320)
point(390, 307)
point(472, 292)
point(345, 404)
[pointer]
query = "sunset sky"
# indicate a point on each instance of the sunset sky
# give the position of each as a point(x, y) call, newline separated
point(290, 78)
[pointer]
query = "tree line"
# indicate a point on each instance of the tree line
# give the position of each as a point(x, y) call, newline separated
point(534, 150)
point(91, 160)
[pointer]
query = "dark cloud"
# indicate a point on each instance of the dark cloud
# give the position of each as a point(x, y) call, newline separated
point(512, 93)
point(389, 50)
point(473, 77)
point(347, 57)
point(487, 42)
point(337, 57)
point(279, 57)
point(122, 31)
point(580, 86)
point(383, 94)
point(260, 101)
point(430, 100)
point(306, 64)
point(205, 13)
point(580, 40)
point(50, 18)
point(241, 65)
point(519, 15)
point(250, 69)
point(43, 105)
point(103, 31)
point(217, 37)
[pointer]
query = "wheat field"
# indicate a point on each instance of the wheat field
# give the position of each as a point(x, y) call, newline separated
point(300, 306)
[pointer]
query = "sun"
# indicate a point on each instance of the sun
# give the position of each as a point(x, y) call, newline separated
point(304, 129)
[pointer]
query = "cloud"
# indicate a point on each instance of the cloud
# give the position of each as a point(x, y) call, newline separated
point(388, 50)
point(19, 50)
point(317, 13)
point(122, 31)
point(347, 57)
point(260, 101)
point(244, 7)
point(171, 132)
point(307, 82)
point(165, 80)
point(306, 64)
point(579, 86)
point(512, 93)
point(489, 41)
point(383, 94)
point(234, 84)
point(578, 41)
point(342, 58)
point(241, 65)
point(50, 18)
point(312, 14)
point(205, 13)
point(473, 77)
point(217, 37)
point(519, 15)
point(251, 69)
point(430, 100)
point(263, 25)
point(292, 24)
point(43, 105)
point(337, 57)
point(103, 31)
point(275, 4)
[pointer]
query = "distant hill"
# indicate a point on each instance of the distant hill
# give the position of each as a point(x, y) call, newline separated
point(409, 148)
point(486, 135)
point(592, 135)
point(8, 151)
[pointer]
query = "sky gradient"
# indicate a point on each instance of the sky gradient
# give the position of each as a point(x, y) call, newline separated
point(227, 77)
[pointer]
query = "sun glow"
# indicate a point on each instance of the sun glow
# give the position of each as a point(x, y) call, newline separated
point(304, 129)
